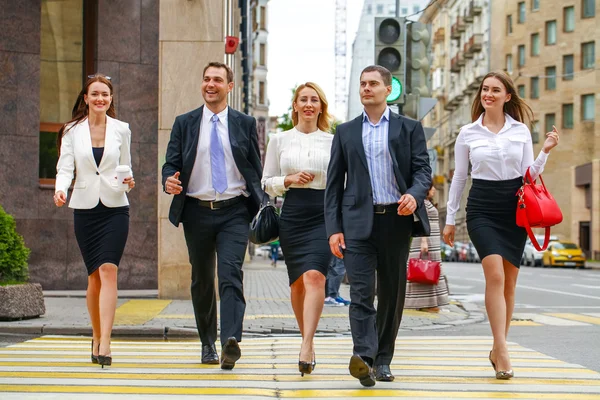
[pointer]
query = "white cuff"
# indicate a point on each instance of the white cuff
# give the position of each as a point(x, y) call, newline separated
point(450, 219)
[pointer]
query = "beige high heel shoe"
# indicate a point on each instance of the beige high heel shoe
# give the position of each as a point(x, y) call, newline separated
point(502, 375)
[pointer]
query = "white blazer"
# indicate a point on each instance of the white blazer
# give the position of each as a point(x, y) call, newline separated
point(93, 183)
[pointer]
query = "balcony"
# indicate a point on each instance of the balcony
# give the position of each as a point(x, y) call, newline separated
point(460, 24)
point(469, 17)
point(475, 7)
point(439, 36)
point(475, 44)
point(454, 65)
point(466, 51)
point(454, 32)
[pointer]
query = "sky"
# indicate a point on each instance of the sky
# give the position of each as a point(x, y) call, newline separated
point(301, 48)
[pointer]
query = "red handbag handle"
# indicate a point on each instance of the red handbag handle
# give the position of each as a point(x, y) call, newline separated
point(526, 222)
point(532, 181)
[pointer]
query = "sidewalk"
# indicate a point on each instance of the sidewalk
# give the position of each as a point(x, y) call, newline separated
point(268, 311)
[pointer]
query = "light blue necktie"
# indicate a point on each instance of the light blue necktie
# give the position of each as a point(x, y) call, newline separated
point(217, 158)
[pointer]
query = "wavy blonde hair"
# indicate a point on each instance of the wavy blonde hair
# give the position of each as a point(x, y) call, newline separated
point(324, 119)
point(515, 107)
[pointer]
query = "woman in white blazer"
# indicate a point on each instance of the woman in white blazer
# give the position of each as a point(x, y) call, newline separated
point(92, 145)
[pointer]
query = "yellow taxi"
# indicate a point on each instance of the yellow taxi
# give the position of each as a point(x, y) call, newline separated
point(563, 254)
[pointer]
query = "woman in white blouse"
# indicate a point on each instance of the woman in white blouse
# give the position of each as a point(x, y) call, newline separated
point(499, 147)
point(296, 166)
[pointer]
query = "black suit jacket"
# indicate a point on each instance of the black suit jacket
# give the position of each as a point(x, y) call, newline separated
point(182, 148)
point(349, 196)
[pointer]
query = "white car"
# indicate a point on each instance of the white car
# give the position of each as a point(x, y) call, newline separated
point(531, 256)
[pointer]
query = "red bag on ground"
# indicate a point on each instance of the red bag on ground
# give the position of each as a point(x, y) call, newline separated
point(423, 271)
point(537, 208)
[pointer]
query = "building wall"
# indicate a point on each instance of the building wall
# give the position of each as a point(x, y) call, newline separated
point(127, 51)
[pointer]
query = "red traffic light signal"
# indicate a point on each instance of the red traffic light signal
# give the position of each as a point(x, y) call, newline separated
point(231, 44)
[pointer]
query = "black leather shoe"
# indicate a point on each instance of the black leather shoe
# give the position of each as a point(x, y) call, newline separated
point(230, 354)
point(383, 373)
point(209, 354)
point(362, 371)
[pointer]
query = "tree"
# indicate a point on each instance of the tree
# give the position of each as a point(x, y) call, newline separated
point(13, 253)
point(285, 121)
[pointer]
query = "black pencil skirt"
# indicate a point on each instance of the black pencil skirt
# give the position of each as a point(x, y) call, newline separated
point(491, 219)
point(101, 234)
point(302, 232)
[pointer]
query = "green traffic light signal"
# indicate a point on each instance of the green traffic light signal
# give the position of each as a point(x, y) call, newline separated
point(396, 90)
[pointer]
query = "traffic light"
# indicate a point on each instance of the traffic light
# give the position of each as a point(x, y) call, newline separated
point(418, 59)
point(389, 53)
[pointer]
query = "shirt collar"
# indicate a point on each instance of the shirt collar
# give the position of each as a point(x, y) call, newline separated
point(508, 122)
point(207, 114)
point(386, 116)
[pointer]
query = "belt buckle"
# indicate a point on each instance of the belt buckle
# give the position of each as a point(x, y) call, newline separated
point(212, 207)
point(381, 212)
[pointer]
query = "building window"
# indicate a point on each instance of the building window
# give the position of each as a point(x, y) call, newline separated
point(379, 9)
point(588, 106)
point(550, 32)
point(521, 55)
point(263, 55)
point(535, 44)
point(569, 19)
point(535, 131)
point(416, 8)
point(254, 19)
point(535, 5)
point(369, 9)
point(261, 92)
point(550, 78)
point(521, 90)
point(567, 116)
point(588, 55)
point(535, 88)
point(549, 122)
point(588, 8)
point(509, 66)
point(404, 11)
point(263, 18)
point(568, 66)
point(62, 68)
point(509, 24)
point(521, 17)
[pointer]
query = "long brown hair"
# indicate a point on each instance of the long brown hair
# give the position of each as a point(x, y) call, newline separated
point(515, 107)
point(81, 109)
point(324, 119)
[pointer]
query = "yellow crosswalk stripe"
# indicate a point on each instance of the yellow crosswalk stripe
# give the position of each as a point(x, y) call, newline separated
point(577, 317)
point(425, 367)
point(139, 311)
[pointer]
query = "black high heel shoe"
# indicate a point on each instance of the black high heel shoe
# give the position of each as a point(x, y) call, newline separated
point(314, 361)
point(305, 367)
point(105, 360)
point(94, 358)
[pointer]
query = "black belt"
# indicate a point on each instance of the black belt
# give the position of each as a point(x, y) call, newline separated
point(385, 208)
point(216, 205)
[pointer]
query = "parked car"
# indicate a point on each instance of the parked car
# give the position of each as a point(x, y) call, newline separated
point(459, 252)
point(472, 255)
point(563, 254)
point(531, 256)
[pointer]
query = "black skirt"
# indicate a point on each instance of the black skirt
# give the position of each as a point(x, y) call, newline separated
point(101, 234)
point(302, 232)
point(491, 219)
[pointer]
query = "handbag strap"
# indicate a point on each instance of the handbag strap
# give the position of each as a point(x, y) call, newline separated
point(534, 239)
point(532, 181)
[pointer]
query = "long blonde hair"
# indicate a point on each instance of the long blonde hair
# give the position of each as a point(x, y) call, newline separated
point(324, 119)
point(515, 107)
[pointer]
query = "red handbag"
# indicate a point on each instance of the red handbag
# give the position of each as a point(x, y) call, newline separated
point(537, 208)
point(423, 271)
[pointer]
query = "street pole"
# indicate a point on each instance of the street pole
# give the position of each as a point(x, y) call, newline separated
point(397, 8)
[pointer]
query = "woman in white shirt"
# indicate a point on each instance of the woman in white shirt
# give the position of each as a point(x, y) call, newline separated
point(93, 144)
point(499, 147)
point(296, 166)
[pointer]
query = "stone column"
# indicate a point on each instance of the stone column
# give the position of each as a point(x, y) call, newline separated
point(190, 36)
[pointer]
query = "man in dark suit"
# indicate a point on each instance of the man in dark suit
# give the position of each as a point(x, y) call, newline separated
point(377, 180)
point(213, 169)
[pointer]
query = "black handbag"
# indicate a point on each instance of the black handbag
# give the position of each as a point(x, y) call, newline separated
point(264, 228)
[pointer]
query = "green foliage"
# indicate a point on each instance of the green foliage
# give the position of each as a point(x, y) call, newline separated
point(285, 121)
point(13, 253)
point(334, 125)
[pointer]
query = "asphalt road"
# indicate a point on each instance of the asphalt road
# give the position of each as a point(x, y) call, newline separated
point(557, 310)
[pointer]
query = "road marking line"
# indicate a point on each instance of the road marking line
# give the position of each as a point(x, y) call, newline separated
point(524, 323)
point(586, 286)
point(585, 296)
point(547, 319)
point(139, 311)
point(578, 317)
point(138, 390)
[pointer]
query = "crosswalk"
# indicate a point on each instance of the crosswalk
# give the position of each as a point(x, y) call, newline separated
point(555, 319)
point(426, 367)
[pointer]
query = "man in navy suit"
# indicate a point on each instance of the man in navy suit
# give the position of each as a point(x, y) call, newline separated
point(377, 180)
point(213, 169)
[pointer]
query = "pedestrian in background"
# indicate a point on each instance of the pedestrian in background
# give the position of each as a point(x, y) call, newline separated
point(274, 252)
point(421, 296)
point(213, 171)
point(378, 177)
point(335, 276)
point(498, 145)
point(91, 146)
point(296, 164)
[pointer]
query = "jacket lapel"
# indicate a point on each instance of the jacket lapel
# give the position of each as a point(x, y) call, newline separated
point(109, 138)
point(86, 140)
point(194, 135)
point(394, 145)
point(233, 126)
point(356, 135)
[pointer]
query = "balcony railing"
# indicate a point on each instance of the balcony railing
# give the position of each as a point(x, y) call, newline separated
point(454, 67)
point(475, 43)
point(454, 32)
point(475, 7)
point(466, 51)
point(439, 36)
point(460, 24)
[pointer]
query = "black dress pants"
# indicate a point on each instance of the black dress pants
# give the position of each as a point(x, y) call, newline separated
point(223, 234)
point(383, 256)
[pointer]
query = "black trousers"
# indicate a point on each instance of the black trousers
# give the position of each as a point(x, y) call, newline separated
point(383, 256)
point(222, 234)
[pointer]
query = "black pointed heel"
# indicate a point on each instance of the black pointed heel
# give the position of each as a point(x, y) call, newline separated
point(94, 358)
point(314, 361)
point(105, 360)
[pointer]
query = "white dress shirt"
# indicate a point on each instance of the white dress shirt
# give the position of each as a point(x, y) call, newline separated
point(291, 152)
point(200, 184)
point(495, 157)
